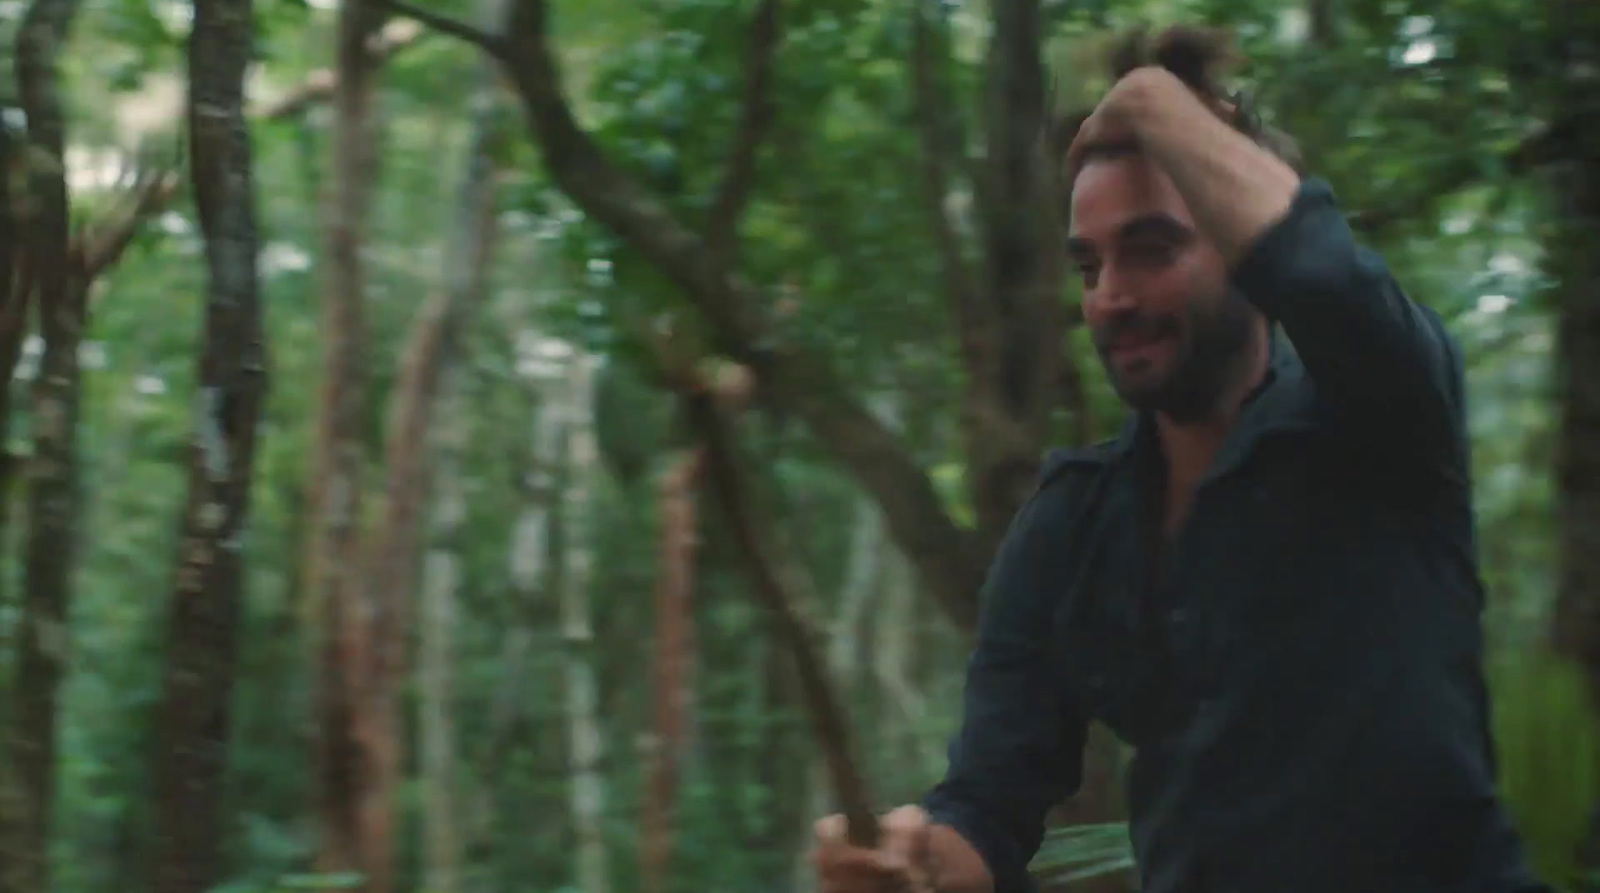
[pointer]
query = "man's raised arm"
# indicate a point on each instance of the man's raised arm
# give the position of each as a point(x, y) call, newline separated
point(1383, 364)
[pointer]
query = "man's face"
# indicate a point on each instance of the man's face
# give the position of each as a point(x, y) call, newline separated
point(1168, 326)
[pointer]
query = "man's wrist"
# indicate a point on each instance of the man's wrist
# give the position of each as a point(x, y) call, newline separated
point(1156, 96)
point(954, 865)
point(1235, 188)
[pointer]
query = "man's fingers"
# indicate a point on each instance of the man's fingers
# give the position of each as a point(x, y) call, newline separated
point(902, 829)
point(896, 865)
point(854, 870)
point(829, 829)
point(905, 847)
point(905, 818)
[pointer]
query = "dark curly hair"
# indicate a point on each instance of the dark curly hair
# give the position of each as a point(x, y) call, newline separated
point(1199, 57)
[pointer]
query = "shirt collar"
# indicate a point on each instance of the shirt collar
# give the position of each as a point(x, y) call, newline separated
point(1283, 401)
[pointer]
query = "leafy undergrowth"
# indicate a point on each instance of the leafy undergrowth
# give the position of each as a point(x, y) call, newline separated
point(1077, 852)
point(1549, 751)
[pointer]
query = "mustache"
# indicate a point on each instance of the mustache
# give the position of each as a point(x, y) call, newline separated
point(1133, 324)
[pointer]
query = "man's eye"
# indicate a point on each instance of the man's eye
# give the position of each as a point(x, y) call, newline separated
point(1150, 253)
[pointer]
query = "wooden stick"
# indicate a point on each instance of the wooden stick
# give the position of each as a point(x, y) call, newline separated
point(774, 584)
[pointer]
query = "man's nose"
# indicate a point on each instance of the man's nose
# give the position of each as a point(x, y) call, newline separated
point(1111, 293)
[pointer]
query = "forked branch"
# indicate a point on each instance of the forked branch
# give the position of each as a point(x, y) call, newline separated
point(103, 245)
point(493, 44)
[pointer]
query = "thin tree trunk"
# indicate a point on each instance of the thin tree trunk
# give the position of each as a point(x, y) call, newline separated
point(528, 554)
point(50, 551)
point(392, 567)
point(466, 270)
point(585, 739)
point(1576, 629)
point(674, 658)
point(14, 861)
point(204, 616)
point(441, 578)
point(348, 757)
point(894, 659)
point(864, 572)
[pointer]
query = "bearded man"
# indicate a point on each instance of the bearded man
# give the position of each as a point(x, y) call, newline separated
point(1267, 585)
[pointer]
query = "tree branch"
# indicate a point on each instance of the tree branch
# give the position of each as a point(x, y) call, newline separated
point(738, 180)
point(950, 567)
point(102, 246)
point(318, 86)
point(712, 392)
point(775, 580)
point(493, 44)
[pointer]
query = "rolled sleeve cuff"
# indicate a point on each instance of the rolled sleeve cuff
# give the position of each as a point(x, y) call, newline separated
point(1007, 866)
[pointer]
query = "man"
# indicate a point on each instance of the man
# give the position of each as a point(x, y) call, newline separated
point(1266, 585)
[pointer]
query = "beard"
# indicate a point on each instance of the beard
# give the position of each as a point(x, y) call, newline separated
point(1211, 353)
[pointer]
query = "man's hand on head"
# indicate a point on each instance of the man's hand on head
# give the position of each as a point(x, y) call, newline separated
point(1234, 187)
point(1118, 117)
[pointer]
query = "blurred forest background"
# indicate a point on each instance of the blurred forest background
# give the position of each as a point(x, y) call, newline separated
point(361, 515)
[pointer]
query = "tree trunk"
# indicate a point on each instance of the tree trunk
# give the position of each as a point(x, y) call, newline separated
point(528, 556)
point(14, 861)
point(674, 657)
point(864, 574)
point(1009, 317)
point(53, 473)
point(1576, 272)
point(441, 577)
point(191, 762)
point(585, 738)
point(395, 545)
point(348, 756)
point(893, 667)
point(466, 272)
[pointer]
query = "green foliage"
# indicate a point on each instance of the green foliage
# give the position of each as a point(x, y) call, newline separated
point(1080, 852)
point(1549, 754)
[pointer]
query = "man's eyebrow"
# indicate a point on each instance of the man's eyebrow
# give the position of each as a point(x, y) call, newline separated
point(1163, 227)
point(1078, 246)
point(1157, 226)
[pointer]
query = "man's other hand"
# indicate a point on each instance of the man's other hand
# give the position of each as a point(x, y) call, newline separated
point(900, 864)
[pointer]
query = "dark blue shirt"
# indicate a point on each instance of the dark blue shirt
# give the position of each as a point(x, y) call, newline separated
point(1298, 669)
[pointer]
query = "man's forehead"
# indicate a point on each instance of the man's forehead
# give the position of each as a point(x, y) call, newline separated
point(1110, 195)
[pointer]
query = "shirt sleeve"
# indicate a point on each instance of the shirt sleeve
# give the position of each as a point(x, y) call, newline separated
point(1384, 365)
point(1019, 750)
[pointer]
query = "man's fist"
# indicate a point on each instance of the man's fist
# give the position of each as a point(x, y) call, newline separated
point(900, 864)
